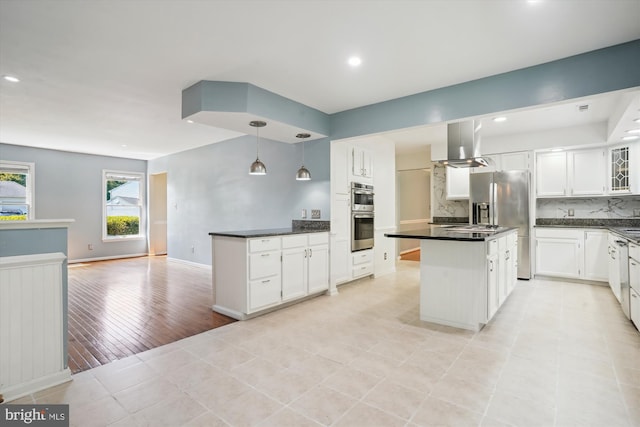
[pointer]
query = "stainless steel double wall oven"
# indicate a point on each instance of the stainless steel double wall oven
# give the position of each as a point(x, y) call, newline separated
point(362, 216)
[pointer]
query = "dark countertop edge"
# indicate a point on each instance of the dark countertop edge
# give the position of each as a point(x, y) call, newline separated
point(588, 222)
point(248, 234)
point(618, 229)
point(476, 238)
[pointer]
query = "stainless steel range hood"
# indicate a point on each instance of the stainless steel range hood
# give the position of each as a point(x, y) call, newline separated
point(463, 145)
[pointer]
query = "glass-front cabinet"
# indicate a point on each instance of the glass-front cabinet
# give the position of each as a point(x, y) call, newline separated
point(619, 176)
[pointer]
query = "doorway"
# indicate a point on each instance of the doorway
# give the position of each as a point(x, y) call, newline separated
point(413, 194)
point(158, 214)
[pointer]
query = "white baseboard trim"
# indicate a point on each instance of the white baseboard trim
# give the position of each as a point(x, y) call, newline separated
point(106, 258)
point(194, 264)
point(20, 390)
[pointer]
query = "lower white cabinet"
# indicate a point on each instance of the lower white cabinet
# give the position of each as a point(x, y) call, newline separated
point(502, 271)
point(362, 263)
point(573, 253)
point(252, 275)
point(634, 307)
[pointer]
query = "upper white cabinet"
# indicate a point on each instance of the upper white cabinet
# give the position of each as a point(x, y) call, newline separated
point(586, 172)
point(623, 170)
point(551, 174)
point(457, 183)
point(361, 162)
point(515, 161)
point(519, 160)
point(589, 172)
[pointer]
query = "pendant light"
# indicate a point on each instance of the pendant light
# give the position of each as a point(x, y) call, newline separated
point(257, 167)
point(303, 173)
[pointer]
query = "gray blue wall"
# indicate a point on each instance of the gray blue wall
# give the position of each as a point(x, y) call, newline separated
point(69, 186)
point(210, 189)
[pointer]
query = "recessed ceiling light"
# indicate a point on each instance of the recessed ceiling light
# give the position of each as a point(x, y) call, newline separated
point(499, 119)
point(189, 121)
point(124, 145)
point(630, 137)
point(11, 79)
point(354, 61)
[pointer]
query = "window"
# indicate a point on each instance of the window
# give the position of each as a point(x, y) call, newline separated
point(16, 191)
point(123, 205)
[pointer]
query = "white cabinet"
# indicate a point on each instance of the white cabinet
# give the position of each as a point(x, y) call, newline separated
point(318, 263)
point(519, 160)
point(457, 182)
point(586, 172)
point(252, 275)
point(623, 175)
point(574, 253)
point(264, 273)
point(340, 239)
point(614, 266)
point(596, 265)
point(634, 307)
point(558, 252)
point(551, 174)
point(305, 264)
point(515, 161)
point(362, 263)
point(493, 285)
point(361, 162)
point(340, 168)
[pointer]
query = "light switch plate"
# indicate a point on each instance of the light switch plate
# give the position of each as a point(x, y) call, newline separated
point(636, 213)
point(315, 213)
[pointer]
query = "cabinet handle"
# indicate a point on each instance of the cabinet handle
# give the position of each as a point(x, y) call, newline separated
point(634, 295)
point(305, 253)
point(264, 240)
point(491, 265)
point(265, 254)
point(266, 281)
point(310, 252)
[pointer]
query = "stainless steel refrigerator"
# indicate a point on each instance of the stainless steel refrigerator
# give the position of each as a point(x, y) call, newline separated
point(502, 199)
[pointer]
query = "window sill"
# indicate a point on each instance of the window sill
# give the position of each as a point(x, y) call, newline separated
point(122, 239)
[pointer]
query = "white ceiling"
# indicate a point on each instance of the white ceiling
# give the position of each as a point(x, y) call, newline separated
point(99, 75)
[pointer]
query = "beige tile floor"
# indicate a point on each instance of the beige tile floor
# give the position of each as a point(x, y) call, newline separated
point(556, 354)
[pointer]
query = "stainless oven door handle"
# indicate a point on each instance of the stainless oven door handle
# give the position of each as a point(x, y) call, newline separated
point(363, 216)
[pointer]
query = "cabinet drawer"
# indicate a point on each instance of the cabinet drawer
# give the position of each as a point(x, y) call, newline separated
point(261, 245)
point(362, 270)
point(362, 257)
point(264, 264)
point(559, 233)
point(634, 251)
point(318, 238)
point(264, 292)
point(492, 247)
point(297, 241)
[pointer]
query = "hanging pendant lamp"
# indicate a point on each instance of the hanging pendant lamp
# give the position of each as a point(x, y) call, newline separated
point(303, 173)
point(257, 167)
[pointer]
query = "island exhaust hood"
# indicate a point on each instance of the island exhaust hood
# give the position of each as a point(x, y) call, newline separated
point(463, 145)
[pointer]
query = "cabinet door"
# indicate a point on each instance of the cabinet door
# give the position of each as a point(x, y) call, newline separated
point(515, 161)
point(492, 286)
point(634, 307)
point(294, 273)
point(339, 168)
point(264, 264)
point(551, 174)
point(596, 255)
point(357, 168)
point(318, 271)
point(340, 239)
point(367, 163)
point(558, 257)
point(614, 270)
point(503, 270)
point(587, 172)
point(457, 183)
point(620, 173)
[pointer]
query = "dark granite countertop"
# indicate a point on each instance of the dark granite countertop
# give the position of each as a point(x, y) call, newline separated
point(449, 220)
point(435, 232)
point(627, 228)
point(297, 227)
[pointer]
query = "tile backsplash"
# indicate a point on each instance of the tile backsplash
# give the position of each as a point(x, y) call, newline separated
point(596, 207)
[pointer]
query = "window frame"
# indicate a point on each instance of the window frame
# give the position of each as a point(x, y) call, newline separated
point(29, 169)
point(141, 177)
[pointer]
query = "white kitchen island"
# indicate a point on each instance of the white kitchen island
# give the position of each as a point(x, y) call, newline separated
point(466, 273)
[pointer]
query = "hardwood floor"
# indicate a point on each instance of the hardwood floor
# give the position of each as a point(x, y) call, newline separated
point(411, 256)
point(122, 307)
